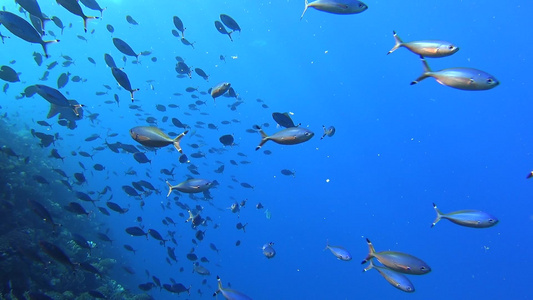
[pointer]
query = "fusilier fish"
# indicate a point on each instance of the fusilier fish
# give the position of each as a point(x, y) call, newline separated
point(460, 78)
point(195, 185)
point(397, 280)
point(468, 218)
point(287, 136)
point(426, 48)
point(330, 131)
point(398, 261)
point(74, 7)
point(122, 78)
point(153, 137)
point(340, 7)
point(339, 252)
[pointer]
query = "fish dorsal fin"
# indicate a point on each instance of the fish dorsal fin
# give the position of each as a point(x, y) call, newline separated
point(54, 110)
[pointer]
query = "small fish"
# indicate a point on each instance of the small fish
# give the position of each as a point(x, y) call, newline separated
point(131, 20)
point(339, 252)
point(468, 218)
point(283, 119)
point(136, 231)
point(330, 131)
point(460, 78)
point(230, 22)
point(398, 261)
point(397, 280)
point(268, 250)
point(123, 47)
point(179, 25)
point(288, 172)
point(287, 136)
point(227, 140)
point(426, 48)
point(56, 253)
point(122, 78)
point(220, 27)
point(8, 74)
point(341, 7)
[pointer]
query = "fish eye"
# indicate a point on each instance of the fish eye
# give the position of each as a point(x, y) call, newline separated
point(491, 220)
point(422, 268)
point(451, 47)
point(408, 288)
point(490, 80)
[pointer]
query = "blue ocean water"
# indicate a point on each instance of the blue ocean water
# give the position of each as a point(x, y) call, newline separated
point(397, 148)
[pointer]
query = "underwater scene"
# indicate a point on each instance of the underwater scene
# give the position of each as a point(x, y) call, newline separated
point(327, 149)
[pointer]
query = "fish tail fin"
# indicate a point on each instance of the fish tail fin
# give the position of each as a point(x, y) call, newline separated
point(327, 245)
point(369, 267)
point(229, 34)
point(54, 110)
point(439, 215)
point(45, 44)
point(131, 93)
point(85, 22)
point(325, 132)
point(264, 137)
point(178, 139)
point(425, 74)
point(305, 9)
point(398, 43)
point(170, 188)
point(371, 251)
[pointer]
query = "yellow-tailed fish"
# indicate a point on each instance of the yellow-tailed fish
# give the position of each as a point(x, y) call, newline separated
point(153, 137)
point(398, 261)
point(287, 136)
point(468, 218)
point(426, 48)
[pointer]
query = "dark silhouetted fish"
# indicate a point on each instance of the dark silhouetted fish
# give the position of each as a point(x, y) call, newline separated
point(21, 28)
point(42, 212)
point(227, 140)
point(123, 47)
point(8, 74)
point(104, 237)
point(56, 253)
point(109, 61)
point(230, 23)
point(76, 208)
point(136, 231)
point(33, 8)
point(220, 27)
point(283, 119)
point(92, 4)
point(81, 241)
point(182, 68)
point(115, 207)
point(131, 20)
point(57, 100)
point(179, 25)
point(74, 7)
point(123, 81)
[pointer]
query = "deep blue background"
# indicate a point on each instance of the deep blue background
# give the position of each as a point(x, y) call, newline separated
point(397, 149)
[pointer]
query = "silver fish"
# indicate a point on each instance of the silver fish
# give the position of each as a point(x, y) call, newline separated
point(340, 7)
point(459, 78)
point(287, 136)
point(397, 280)
point(398, 261)
point(190, 186)
point(268, 250)
point(339, 252)
point(153, 137)
point(426, 48)
point(468, 218)
point(229, 293)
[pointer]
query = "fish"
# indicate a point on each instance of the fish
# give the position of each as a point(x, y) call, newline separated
point(110, 28)
point(110, 62)
point(81, 241)
point(122, 78)
point(288, 172)
point(22, 29)
point(287, 136)
point(130, 248)
point(74, 7)
point(220, 89)
point(57, 254)
point(200, 269)
point(230, 22)
point(115, 207)
point(42, 212)
point(186, 42)
point(202, 74)
point(57, 100)
point(340, 7)
point(182, 68)
point(141, 158)
point(467, 79)
point(268, 250)
point(229, 293)
point(8, 74)
point(330, 131)
point(62, 80)
point(190, 186)
point(57, 21)
point(179, 25)
point(397, 280)
point(92, 4)
point(76, 208)
point(156, 235)
point(398, 261)
point(33, 8)
point(123, 47)
point(131, 20)
point(467, 218)
point(153, 137)
point(220, 27)
point(283, 119)
point(339, 252)
point(426, 48)
point(227, 140)
point(136, 231)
